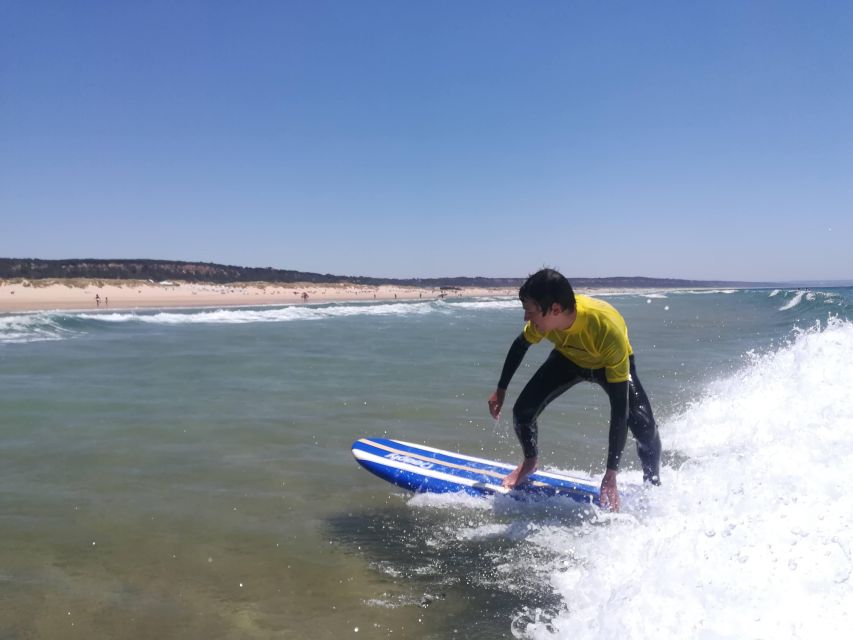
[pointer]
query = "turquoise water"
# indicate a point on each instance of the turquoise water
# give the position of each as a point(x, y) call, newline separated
point(187, 474)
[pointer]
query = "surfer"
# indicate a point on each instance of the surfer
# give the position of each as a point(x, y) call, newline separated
point(591, 344)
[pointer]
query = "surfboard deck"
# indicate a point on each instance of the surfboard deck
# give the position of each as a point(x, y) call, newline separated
point(420, 468)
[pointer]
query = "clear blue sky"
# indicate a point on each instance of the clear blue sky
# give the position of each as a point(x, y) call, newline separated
point(426, 138)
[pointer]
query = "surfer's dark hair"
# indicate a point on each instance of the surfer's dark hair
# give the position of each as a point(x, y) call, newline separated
point(547, 286)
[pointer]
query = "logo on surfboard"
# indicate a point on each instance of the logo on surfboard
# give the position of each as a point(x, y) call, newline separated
point(399, 457)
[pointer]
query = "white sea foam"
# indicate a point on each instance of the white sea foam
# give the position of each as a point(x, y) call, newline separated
point(751, 537)
point(793, 302)
point(827, 297)
point(31, 327)
point(296, 313)
point(706, 292)
point(451, 501)
point(53, 325)
point(665, 293)
point(497, 303)
point(265, 314)
point(291, 313)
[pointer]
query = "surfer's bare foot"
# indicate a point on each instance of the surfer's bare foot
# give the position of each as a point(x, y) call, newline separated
point(520, 474)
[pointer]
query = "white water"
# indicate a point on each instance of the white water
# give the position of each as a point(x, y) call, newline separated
point(752, 537)
point(827, 297)
point(270, 314)
point(294, 313)
point(793, 302)
point(32, 327)
point(36, 327)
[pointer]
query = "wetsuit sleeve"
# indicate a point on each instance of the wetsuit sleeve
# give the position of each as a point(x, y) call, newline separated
point(513, 358)
point(618, 394)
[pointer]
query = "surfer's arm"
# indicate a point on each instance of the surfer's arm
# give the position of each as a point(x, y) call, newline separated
point(618, 394)
point(513, 359)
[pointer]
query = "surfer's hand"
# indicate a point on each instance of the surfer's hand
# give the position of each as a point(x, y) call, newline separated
point(609, 494)
point(496, 401)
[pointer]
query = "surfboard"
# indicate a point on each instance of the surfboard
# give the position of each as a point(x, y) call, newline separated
point(420, 468)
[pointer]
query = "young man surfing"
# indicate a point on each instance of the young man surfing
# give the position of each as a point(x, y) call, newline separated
point(590, 344)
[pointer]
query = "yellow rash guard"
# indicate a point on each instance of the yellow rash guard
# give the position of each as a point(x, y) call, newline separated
point(597, 339)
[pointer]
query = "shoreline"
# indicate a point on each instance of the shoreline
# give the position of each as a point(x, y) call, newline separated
point(24, 296)
point(84, 294)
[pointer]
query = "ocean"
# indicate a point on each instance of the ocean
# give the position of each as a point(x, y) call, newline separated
point(187, 474)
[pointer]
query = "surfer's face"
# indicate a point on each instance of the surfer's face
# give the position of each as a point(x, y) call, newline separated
point(543, 321)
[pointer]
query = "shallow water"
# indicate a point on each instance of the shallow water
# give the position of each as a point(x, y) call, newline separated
point(187, 474)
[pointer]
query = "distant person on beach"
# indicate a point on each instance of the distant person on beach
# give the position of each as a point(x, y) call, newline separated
point(304, 296)
point(590, 345)
point(97, 300)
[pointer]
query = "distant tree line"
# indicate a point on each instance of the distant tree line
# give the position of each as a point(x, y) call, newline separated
point(159, 270)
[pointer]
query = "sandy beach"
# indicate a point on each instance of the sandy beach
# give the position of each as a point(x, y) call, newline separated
point(87, 294)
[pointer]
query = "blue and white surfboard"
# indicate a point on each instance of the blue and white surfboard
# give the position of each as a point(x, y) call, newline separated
point(424, 469)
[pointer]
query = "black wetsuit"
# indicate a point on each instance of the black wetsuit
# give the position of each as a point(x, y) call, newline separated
point(629, 406)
